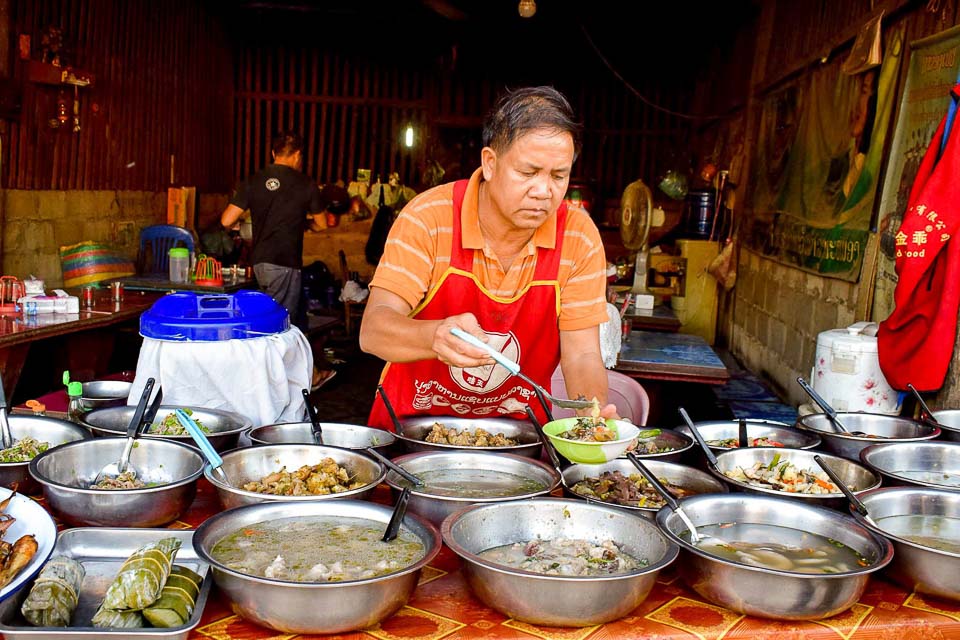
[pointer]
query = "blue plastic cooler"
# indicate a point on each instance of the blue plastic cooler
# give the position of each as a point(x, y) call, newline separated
point(187, 316)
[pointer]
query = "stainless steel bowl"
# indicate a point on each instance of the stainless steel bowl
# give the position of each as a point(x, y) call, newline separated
point(253, 463)
point(854, 475)
point(769, 593)
point(413, 431)
point(225, 427)
point(556, 601)
point(949, 420)
point(783, 433)
point(319, 608)
point(348, 436)
point(677, 475)
point(66, 471)
point(916, 566)
point(888, 428)
point(435, 508)
point(679, 444)
point(98, 394)
point(44, 429)
point(916, 464)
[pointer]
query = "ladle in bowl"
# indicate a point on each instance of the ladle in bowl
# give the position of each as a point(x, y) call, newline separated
point(514, 369)
point(707, 451)
point(140, 416)
point(845, 490)
point(927, 414)
point(216, 462)
point(390, 464)
point(314, 418)
point(399, 510)
point(6, 437)
point(668, 497)
point(827, 409)
point(742, 436)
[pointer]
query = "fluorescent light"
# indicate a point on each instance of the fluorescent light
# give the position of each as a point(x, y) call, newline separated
point(408, 136)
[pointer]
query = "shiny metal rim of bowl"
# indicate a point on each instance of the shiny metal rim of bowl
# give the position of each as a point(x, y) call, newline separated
point(885, 545)
point(670, 470)
point(328, 427)
point(350, 511)
point(761, 428)
point(127, 411)
point(869, 455)
point(668, 557)
point(218, 483)
point(927, 432)
point(684, 443)
point(35, 471)
point(806, 454)
point(70, 426)
point(521, 427)
point(390, 477)
point(923, 491)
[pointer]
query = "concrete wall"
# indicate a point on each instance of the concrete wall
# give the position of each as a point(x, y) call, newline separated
point(774, 314)
point(37, 223)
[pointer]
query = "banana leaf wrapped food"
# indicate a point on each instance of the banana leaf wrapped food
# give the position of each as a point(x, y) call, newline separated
point(108, 619)
point(142, 576)
point(54, 595)
point(177, 600)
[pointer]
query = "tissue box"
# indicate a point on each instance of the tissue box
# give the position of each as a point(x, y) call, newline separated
point(644, 301)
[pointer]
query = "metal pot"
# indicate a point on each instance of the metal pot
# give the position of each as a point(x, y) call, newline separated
point(935, 465)
point(98, 394)
point(885, 429)
point(780, 432)
point(770, 593)
point(413, 431)
point(348, 436)
point(224, 427)
point(51, 430)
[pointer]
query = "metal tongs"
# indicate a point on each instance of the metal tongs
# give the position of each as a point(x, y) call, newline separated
point(6, 437)
point(514, 369)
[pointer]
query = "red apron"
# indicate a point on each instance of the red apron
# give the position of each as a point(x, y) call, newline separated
point(523, 328)
point(915, 343)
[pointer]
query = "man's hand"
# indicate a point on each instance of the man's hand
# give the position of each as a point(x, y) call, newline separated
point(455, 352)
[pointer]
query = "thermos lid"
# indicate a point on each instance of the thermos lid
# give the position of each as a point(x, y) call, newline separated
point(186, 316)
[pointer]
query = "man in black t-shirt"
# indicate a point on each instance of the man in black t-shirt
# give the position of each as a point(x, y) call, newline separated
point(283, 202)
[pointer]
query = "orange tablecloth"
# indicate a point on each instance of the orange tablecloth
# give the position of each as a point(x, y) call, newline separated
point(444, 607)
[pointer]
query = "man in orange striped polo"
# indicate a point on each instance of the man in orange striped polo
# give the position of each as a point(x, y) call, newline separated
point(502, 257)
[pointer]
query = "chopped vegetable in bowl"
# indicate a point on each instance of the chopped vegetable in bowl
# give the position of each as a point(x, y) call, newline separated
point(24, 450)
point(170, 426)
point(783, 475)
point(734, 443)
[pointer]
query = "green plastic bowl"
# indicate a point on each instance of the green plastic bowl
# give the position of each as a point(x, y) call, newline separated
point(591, 452)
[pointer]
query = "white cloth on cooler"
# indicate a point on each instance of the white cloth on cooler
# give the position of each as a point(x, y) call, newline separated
point(610, 337)
point(262, 378)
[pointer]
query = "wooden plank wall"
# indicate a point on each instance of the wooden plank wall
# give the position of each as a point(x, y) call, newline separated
point(163, 88)
point(352, 114)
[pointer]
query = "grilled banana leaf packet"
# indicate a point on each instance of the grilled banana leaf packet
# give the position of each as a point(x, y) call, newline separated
point(142, 576)
point(55, 594)
point(177, 600)
point(108, 619)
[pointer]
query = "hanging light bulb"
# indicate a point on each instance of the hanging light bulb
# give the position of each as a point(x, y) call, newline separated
point(408, 136)
point(527, 8)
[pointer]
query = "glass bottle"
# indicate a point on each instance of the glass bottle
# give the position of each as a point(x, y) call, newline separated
point(75, 407)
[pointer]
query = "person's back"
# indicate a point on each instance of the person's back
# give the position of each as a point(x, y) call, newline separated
point(279, 197)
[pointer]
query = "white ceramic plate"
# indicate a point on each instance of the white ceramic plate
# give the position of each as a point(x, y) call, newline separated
point(31, 518)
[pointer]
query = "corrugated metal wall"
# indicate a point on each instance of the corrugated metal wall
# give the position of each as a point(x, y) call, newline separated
point(163, 88)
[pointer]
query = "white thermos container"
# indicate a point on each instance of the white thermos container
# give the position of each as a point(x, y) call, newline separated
point(846, 371)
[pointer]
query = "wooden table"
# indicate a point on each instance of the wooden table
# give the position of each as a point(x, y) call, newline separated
point(160, 283)
point(660, 318)
point(19, 331)
point(444, 607)
point(677, 357)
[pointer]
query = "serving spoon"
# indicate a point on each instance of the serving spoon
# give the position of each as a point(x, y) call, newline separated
point(314, 418)
point(845, 490)
point(514, 369)
point(6, 437)
point(927, 414)
point(707, 451)
point(140, 416)
point(399, 510)
point(668, 497)
point(827, 409)
point(216, 462)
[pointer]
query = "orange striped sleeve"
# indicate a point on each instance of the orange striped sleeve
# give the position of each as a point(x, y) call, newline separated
point(582, 275)
point(417, 250)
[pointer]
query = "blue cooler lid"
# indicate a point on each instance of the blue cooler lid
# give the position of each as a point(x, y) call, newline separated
point(187, 316)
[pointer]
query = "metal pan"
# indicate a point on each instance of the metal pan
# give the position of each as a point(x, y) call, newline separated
point(102, 551)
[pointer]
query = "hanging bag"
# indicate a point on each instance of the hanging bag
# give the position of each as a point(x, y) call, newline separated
point(916, 342)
